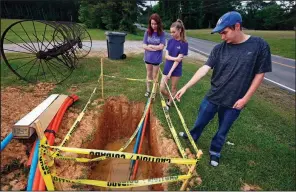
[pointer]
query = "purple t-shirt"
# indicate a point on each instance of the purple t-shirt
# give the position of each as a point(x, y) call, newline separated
point(153, 56)
point(175, 48)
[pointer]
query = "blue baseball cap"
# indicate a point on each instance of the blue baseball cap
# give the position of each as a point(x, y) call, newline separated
point(227, 20)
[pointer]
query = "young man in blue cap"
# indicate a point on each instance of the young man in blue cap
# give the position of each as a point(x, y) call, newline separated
point(239, 64)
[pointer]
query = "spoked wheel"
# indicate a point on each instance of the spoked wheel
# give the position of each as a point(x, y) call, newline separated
point(37, 51)
point(77, 36)
point(85, 43)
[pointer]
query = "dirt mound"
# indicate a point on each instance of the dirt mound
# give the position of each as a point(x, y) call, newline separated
point(16, 102)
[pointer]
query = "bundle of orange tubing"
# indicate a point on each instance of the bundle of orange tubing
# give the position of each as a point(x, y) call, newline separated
point(54, 125)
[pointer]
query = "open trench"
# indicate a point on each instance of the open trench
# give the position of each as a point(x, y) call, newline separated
point(116, 124)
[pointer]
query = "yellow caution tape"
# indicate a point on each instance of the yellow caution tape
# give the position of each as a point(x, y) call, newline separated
point(49, 178)
point(130, 79)
point(182, 120)
point(124, 184)
point(75, 124)
point(44, 169)
point(120, 155)
point(171, 127)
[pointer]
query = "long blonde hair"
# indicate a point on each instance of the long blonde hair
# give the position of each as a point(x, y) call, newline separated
point(180, 26)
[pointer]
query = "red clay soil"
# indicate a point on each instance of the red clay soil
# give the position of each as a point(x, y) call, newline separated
point(16, 102)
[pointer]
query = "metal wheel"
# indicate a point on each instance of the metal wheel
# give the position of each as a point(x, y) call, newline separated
point(85, 43)
point(37, 51)
point(78, 37)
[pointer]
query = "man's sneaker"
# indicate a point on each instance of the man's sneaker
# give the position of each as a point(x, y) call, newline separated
point(214, 160)
point(183, 135)
point(147, 94)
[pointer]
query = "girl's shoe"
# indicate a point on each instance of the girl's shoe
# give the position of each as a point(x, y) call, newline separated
point(147, 94)
point(167, 107)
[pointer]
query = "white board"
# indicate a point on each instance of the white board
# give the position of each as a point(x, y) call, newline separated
point(35, 113)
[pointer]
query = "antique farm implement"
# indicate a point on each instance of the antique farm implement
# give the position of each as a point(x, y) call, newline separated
point(44, 50)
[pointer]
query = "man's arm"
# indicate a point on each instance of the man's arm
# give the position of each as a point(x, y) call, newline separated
point(196, 77)
point(254, 86)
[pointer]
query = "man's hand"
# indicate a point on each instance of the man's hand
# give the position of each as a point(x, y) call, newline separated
point(240, 104)
point(180, 93)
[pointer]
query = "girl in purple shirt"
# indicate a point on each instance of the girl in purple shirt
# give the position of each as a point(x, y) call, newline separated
point(153, 44)
point(176, 49)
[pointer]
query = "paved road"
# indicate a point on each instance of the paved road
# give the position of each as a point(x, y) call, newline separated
point(283, 69)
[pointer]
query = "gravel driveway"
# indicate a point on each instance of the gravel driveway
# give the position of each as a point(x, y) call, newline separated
point(100, 48)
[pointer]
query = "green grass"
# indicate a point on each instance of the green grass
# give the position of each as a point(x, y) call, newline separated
point(281, 42)
point(264, 134)
point(21, 35)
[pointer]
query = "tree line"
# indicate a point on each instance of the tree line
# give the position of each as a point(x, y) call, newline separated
point(198, 14)
point(122, 14)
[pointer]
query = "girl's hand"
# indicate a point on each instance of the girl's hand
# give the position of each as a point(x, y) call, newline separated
point(179, 59)
point(168, 76)
point(151, 47)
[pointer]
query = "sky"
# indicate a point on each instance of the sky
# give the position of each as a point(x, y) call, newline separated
point(151, 3)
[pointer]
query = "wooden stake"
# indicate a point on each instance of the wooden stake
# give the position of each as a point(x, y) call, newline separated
point(192, 168)
point(156, 86)
point(39, 129)
point(102, 78)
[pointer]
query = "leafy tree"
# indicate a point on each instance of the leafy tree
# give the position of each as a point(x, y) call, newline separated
point(270, 16)
point(110, 14)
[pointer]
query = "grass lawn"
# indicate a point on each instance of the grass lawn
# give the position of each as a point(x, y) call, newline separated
point(96, 34)
point(263, 153)
point(281, 42)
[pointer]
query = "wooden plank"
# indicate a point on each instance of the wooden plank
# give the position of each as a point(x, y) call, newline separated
point(22, 128)
point(46, 117)
point(35, 113)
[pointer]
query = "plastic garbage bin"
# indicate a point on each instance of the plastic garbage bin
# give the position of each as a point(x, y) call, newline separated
point(115, 44)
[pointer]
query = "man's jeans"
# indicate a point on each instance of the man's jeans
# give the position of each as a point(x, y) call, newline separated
point(206, 113)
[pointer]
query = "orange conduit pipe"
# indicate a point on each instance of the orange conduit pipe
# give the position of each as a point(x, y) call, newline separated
point(64, 107)
point(31, 155)
point(140, 146)
point(36, 180)
point(55, 126)
point(33, 148)
point(47, 134)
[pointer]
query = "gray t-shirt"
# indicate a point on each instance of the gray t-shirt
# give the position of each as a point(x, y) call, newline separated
point(234, 67)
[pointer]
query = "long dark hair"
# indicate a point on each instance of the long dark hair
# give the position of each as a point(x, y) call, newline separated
point(157, 19)
point(179, 25)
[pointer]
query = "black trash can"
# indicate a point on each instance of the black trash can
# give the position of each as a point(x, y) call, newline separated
point(115, 44)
